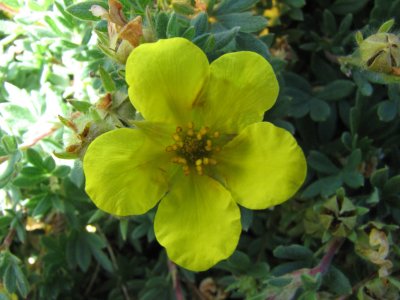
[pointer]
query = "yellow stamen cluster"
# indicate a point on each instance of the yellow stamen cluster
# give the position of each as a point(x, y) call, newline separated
point(194, 148)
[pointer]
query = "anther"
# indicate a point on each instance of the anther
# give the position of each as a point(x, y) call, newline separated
point(199, 162)
point(216, 134)
point(186, 170)
point(176, 137)
point(190, 132)
point(190, 125)
point(205, 160)
point(199, 136)
point(203, 130)
point(169, 149)
point(178, 129)
point(175, 147)
point(212, 161)
point(199, 170)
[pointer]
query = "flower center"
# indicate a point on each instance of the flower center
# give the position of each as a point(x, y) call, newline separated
point(194, 148)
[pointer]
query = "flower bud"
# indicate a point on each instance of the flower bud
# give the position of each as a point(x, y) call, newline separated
point(380, 52)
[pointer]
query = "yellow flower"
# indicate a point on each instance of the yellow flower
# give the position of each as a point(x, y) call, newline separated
point(202, 149)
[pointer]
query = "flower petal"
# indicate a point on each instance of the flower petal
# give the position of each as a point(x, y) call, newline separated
point(124, 172)
point(197, 222)
point(165, 78)
point(241, 88)
point(263, 166)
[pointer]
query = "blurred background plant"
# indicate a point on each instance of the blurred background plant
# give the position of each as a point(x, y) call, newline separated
point(62, 84)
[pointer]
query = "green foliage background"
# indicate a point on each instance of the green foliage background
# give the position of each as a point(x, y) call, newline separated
point(316, 246)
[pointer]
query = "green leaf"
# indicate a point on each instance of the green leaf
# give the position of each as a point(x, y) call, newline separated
point(387, 110)
point(139, 231)
point(362, 83)
point(49, 164)
point(353, 179)
point(82, 106)
point(337, 90)
point(82, 11)
point(21, 281)
point(296, 3)
point(183, 8)
point(385, 27)
point(235, 6)
point(337, 281)
point(319, 110)
point(223, 38)
point(62, 171)
point(329, 25)
point(108, 82)
point(321, 163)
point(34, 158)
point(162, 20)
point(326, 187)
point(42, 207)
point(296, 14)
point(246, 218)
point(200, 23)
point(9, 143)
point(9, 279)
point(380, 177)
point(293, 252)
point(9, 170)
point(246, 21)
point(123, 227)
point(82, 253)
point(26, 181)
point(342, 7)
point(392, 186)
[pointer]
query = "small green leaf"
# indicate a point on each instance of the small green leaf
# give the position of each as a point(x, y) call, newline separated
point(387, 110)
point(246, 21)
point(338, 89)
point(380, 177)
point(62, 171)
point(321, 163)
point(293, 252)
point(34, 158)
point(359, 37)
point(235, 6)
point(342, 7)
point(9, 143)
point(183, 8)
point(392, 186)
point(82, 106)
point(49, 164)
point(123, 227)
point(385, 27)
point(319, 110)
point(82, 11)
point(108, 82)
point(246, 218)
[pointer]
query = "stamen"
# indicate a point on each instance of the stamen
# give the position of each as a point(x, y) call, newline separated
point(193, 148)
point(176, 137)
point(212, 161)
